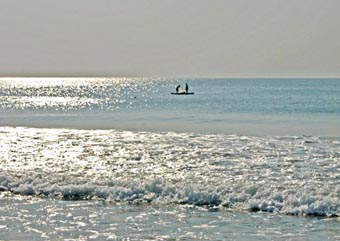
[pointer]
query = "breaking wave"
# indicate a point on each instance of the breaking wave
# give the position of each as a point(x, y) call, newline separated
point(295, 175)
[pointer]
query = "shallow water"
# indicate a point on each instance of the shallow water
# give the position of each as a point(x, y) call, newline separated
point(32, 218)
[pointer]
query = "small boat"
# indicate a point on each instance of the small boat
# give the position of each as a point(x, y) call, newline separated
point(182, 93)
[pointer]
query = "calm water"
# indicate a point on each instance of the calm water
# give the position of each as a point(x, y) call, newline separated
point(232, 106)
point(242, 159)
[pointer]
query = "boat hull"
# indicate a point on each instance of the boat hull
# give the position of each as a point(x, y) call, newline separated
point(182, 93)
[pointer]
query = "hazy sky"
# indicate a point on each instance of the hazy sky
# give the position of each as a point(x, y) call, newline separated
point(170, 38)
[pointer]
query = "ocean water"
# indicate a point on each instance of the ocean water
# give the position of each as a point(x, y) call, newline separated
point(123, 159)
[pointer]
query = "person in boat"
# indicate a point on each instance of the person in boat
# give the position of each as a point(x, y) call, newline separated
point(177, 88)
point(186, 88)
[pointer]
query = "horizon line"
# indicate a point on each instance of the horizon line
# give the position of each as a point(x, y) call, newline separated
point(171, 77)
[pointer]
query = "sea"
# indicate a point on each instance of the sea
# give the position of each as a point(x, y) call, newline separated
point(124, 159)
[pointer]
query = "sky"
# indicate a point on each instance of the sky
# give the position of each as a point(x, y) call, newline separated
point(170, 38)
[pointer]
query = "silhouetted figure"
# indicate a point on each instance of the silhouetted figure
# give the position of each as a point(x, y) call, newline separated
point(186, 88)
point(177, 88)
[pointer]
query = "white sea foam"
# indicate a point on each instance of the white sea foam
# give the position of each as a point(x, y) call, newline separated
point(290, 175)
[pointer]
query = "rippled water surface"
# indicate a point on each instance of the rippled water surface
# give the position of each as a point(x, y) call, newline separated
point(112, 159)
point(216, 175)
point(232, 106)
point(211, 95)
